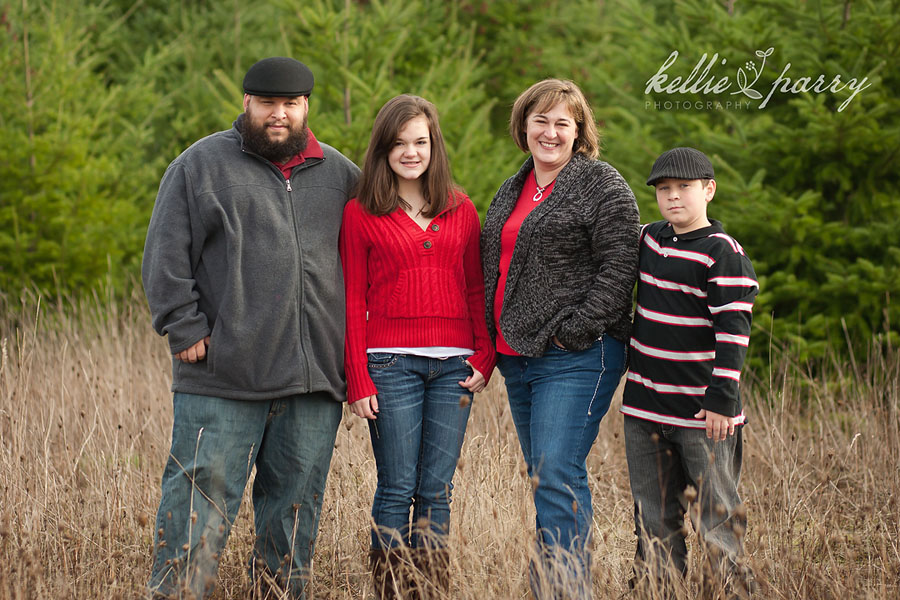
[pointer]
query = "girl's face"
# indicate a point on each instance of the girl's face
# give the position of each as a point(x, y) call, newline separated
point(411, 153)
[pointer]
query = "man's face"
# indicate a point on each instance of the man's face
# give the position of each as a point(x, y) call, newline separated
point(275, 127)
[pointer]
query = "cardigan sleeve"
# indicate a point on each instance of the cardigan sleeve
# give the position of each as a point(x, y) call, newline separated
point(614, 244)
point(354, 248)
point(485, 357)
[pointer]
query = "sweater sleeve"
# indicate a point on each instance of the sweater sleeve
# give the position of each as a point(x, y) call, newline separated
point(173, 240)
point(731, 290)
point(614, 243)
point(485, 357)
point(354, 249)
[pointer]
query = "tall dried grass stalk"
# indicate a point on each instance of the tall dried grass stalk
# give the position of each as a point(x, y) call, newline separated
point(85, 418)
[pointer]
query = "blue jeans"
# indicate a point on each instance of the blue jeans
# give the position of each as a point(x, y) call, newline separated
point(663, 461)
point(215, 444)
point(557, 402)
point(416, 440)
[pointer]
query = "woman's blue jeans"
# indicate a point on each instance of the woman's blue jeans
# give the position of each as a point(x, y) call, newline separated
point(216, 442)
point(557, 402)
point(416, 439)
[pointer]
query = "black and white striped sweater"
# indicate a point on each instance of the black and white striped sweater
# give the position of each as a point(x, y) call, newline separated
point(691, 326)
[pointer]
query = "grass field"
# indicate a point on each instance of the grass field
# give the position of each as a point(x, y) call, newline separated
point(85, 418)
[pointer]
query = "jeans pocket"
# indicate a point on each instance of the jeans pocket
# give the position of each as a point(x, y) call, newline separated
point(556, 346)
point(382, 360)
point(463, 358)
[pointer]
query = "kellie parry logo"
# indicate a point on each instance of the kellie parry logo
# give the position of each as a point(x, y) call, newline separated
point(701, 81)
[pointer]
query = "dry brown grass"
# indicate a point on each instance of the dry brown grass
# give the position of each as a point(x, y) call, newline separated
point(85, 416)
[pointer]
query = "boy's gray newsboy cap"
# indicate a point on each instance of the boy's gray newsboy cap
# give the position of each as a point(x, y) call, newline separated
point(278, 76)
point(681, 163)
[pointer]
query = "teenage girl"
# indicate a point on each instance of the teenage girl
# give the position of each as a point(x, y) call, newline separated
point(417, 346)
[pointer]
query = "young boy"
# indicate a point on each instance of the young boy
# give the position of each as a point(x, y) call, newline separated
point(682, 403)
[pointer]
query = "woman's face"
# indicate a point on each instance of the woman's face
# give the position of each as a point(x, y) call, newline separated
point(551, 135)
point(411, 153)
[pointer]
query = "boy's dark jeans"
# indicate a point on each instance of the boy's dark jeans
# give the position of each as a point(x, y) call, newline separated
point(663, 461)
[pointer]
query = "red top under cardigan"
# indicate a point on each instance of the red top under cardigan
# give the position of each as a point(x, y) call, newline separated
point(419, 288)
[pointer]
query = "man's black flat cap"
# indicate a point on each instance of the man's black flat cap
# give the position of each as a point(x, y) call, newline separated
point(278, 76)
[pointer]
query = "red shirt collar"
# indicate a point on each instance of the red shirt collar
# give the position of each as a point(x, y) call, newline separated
point(313, 150)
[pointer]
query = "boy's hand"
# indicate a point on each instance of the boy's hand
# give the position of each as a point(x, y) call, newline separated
point(718, 427)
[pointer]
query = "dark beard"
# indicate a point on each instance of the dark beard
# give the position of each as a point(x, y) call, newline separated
point(256, 140)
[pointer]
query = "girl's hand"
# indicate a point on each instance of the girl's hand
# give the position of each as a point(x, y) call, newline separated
point(474, 382)
point(367, 407)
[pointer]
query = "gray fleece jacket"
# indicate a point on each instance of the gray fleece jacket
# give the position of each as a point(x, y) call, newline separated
point(236, 252)
point(574, 263)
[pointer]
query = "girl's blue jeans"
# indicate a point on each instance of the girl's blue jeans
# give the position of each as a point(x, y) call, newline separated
point(416, 439)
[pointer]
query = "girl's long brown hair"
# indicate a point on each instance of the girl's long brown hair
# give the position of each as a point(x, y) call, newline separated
point(377, 187)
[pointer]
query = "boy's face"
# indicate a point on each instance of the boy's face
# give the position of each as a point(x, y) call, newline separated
point(682, 202)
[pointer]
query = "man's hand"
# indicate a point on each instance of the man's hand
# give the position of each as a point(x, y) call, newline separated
point(367, 407)
point(718, 427)
point(195, 352)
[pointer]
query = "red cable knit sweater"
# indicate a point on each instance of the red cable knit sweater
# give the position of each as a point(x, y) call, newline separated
point(419, 288)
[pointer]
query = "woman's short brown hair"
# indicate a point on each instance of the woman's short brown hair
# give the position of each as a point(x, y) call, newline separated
point(546, 94)
point(377, 187)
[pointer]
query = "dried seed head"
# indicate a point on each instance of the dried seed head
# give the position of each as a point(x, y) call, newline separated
point(690, 493)
point(193, 517)
point(142, 519)
point(720, 509)
point(464, 401)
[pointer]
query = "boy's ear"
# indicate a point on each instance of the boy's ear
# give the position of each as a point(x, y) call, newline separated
point(710, 189)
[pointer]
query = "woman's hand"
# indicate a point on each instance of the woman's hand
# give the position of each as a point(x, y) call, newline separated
point(367, 407)
point(474, 382)
point(555, 341)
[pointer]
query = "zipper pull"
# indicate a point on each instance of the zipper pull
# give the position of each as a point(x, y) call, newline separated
point(288, 184)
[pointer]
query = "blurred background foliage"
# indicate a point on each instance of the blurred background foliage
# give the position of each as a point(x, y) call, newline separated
point(100, 95)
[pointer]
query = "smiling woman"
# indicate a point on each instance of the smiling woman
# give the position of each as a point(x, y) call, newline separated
point(560, 260)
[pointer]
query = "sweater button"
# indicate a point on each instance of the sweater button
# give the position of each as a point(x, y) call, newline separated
point(675, 238)
point(427, 244)
point(435, 226)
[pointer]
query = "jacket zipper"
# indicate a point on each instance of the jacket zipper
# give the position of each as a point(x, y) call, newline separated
point(302, 321)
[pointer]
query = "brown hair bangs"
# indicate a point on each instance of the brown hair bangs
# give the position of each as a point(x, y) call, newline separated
point(546, 94)
point(377, 186)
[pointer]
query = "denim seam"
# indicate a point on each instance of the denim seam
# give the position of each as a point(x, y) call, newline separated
point(600, 377)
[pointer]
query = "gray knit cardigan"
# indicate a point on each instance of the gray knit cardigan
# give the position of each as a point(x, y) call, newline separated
point(574, 264)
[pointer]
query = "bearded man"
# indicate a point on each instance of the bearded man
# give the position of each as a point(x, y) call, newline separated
point(241, 271)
